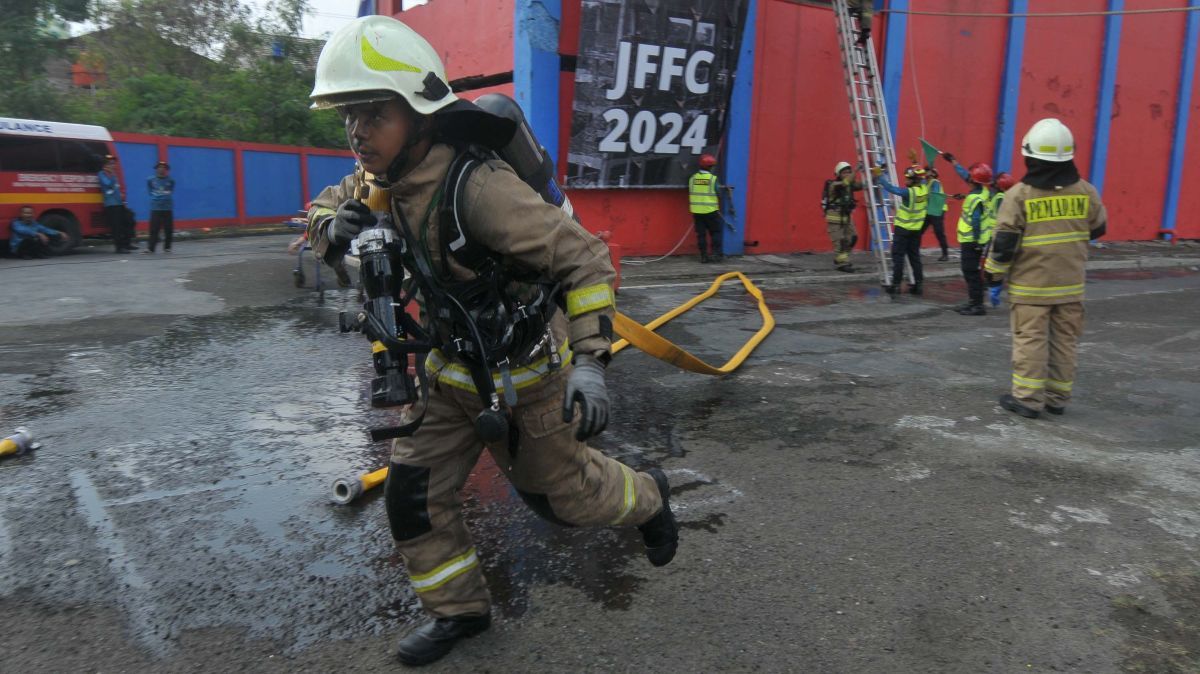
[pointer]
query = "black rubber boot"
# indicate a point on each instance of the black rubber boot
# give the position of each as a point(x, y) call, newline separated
point(915, 289)
point(973, 310)
point(433, 640)
point(945, 256)
point(661, 532)
point(1055, 410)
point(1010, 403)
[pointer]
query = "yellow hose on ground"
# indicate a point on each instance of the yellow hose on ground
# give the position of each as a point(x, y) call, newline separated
point(645, 339)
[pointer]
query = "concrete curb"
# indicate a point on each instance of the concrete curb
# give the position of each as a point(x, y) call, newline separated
point(786, 277)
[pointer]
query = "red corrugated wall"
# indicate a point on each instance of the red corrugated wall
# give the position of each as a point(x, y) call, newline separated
point(472, 38)
point(953, 70)
point(1188, 221)
point(952, 77)
point(1061, 75)
point(1143, 122)
point(801, 127)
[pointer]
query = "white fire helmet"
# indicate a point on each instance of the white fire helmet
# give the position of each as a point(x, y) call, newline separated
point(837, 170)
point(376, 57)
point(1049, 140)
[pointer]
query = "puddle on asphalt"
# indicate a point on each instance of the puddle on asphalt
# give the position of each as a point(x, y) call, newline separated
point(212, 449)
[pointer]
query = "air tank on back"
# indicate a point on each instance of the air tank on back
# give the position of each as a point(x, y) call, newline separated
point(525, 155)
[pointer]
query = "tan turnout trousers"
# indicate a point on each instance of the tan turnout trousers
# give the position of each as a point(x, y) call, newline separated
point(560, 477)
point(1044, 338)
point(841, 234)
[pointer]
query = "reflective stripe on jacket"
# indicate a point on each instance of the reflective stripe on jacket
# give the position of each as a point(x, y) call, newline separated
point(457, 375)
point(505, 216)
point(911, 213)
point(1055, 225)
point(988, 223)
point(702, 193)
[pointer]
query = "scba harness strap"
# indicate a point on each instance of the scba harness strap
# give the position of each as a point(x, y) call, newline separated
point(511, 306)
point(477, 321)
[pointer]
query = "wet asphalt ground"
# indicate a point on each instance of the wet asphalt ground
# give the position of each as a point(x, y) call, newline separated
point(853, 499)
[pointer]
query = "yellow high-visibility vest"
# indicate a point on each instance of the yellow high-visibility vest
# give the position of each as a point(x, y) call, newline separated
point(912, 215)
point(988, 223)
point(981, 199)
point(702, 193)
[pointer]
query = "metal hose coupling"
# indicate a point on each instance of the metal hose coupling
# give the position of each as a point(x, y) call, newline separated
point(346, 490)
point(19, 443)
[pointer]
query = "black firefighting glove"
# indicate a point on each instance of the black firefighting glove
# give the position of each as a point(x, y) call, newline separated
point(862, 36)
point(352, 217)
point(948, 157)
point(586, 386)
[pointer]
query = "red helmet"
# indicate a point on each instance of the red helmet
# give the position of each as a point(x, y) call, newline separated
point(1004, 181)
point(707, 161)
point(980, 173)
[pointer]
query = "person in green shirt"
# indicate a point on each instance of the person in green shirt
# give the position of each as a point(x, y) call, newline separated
point(935, 211)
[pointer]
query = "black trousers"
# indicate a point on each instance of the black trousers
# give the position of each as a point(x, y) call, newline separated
point(906, 243)
point(32, 247)
point(712, 225)
point(164, 220)
point(117, 219)
point(938, 222)
point(972, 253)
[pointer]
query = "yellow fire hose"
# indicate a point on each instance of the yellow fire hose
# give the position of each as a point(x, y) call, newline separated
point(644, 338)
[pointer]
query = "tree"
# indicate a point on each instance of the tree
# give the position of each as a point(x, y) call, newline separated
point(203, 68)
point(27, 41)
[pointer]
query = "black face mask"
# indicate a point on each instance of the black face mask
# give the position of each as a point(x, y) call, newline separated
point(1048, 175)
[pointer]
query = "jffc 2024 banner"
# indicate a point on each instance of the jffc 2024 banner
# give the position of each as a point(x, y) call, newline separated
point(652, 86)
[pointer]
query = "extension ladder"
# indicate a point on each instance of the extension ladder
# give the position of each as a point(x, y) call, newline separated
point(872, 133)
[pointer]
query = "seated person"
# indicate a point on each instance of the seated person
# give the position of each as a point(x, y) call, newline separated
point(29, 238)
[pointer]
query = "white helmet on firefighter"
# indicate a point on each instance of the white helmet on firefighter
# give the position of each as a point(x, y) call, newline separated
point(841, 166)
point(1049, 140)
point(374, 58)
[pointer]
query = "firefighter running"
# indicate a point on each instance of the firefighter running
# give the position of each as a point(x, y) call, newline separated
point(406, 128)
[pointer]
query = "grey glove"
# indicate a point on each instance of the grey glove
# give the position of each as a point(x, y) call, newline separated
point(352, 217)
point(586, 387)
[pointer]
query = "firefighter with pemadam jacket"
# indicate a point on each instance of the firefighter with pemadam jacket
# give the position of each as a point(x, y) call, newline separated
point(1041, 249)
point(410, 134)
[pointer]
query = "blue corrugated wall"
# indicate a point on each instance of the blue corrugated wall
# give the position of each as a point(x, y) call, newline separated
point(324, 171)
point(137, 164)
point(272, 183)
point(204, 182)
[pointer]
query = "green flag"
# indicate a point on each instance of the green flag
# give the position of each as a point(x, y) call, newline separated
point(931, 152)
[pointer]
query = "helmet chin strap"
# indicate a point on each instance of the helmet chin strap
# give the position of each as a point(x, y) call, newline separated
point(402, 158)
